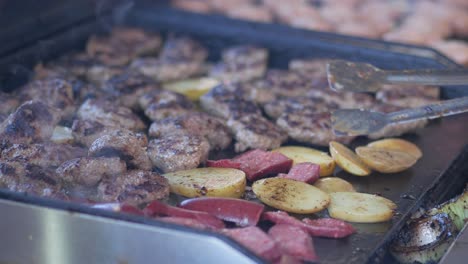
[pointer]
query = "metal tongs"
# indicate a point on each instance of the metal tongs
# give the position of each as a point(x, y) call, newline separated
point(362, 77)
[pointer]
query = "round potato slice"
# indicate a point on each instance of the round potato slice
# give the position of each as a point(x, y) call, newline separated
point(303, 154)
point(386, 160)
point(397, 144)
point(334, 184)
point(192, 88)
point(218, 182)
point(360, 207)
point(290, 196)
point(348, 160)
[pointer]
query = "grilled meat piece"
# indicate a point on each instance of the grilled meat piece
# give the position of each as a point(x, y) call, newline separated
point(182, 49)
point(161, 104)
point(299, 104)
point(211, 128)
point(57, 93)
point(8, 104)
point(128, 87)
point(89, 171)
point(129, 146)
point(310, 128)
point(286, 83)
point(255, 91)
point(224, 103)
point(255, 132)
point(99, 74)
point(408, 96)
point(42, 154)
point(31, 179)
point(313, 69)
point(342, 99)
point(241, 64)
point(122, 45)
point(394, 130)
point(33, 121)
point(134, 187)
point(70, 66)
point(109, 114)
point(170, 70)
point(86, 132)
point(178, 152)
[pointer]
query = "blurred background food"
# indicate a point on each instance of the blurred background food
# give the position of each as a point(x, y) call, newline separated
point(440, 24)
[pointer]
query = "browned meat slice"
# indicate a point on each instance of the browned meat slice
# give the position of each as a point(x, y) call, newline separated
point(33, 121)
point(122, 45)
point(98, 74)
point(342, 99)
point(161, 104)
point(178, 152)
point(57, 93)
point(241, 64)
point(299, 104)
point(310, 128)
point(255, 132)
point(30, 179)
point(44, 155)
point(129, 146)
point(313, 69)
point(128, 87)
point(395, 129)
point(89, 171)
point(86, 132)
point(286, 83)
point(182, 49)
point(224, 103)
point(134, 187)
point(110, 114)
point(8, 104)
point(293, 241)
point(170, 70)
point(255, 91)
point(199, 124)
point(406, 96)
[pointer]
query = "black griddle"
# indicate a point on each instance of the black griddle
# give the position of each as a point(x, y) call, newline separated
point(438, 176)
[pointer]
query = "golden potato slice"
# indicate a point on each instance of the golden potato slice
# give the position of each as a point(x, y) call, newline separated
point(348, 160)
point(386, 160)
point(397, 144)
point(360, 207)
point(192, 88)
point(290, 195)
point(334, 184)
point(219, 182)
point(303, 154)
point(62, 135)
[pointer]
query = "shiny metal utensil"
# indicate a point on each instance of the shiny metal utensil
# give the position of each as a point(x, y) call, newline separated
point(354, 122)
point(363, 77)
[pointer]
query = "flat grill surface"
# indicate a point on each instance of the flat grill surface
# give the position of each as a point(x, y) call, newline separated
point(441, 142)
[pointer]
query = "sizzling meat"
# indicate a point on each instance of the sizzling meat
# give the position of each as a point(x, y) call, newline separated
point(255, 132)
point(42, 154)
point(223, 103)
point(99, 74)
point(33, 121)
point(241, 64)
point(86, 132)
point(129, 146)
point(109, 114)
point(161, 104)
point(178, 152)
point(409, 97)
point(310, 128)
point(122, 45)
point(89, 171)
point(182, 49)
point(200, 124)
point(134, 187)
point(298, 104)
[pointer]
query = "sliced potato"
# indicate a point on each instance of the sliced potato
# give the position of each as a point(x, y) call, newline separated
point(386, 160)
point(303, 154)
point(397, 144)
point(219, 182)
point(348, 160)
point(290, 195)
point(192, 88)
point(334, 184)
point(360, 207)
point(62, 135)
